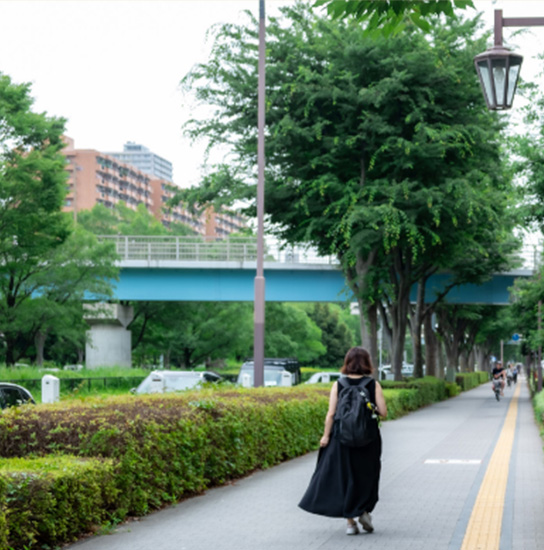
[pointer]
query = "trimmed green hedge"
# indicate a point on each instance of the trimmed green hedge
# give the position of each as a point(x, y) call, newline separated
point(45, 501)
point(538, 405)
point(170, 446)
point(131, 454)
point(468, 380)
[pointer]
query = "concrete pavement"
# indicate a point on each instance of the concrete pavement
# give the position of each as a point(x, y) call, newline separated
point(442, 466)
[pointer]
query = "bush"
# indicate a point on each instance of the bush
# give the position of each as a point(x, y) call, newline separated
point(54, 499)
point(173, 445)
point(142, 452)
point(538, 405)
point(469, 380)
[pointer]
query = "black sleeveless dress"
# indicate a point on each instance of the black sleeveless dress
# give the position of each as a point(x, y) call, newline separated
point(346, 479)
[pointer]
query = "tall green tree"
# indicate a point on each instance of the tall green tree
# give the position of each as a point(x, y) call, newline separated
point(32, 191)
point(391, 16)
point(382, 148)
point(336, 335)
point(188, 334)
point(290, 332)
point(81, 269)
point(122, 220)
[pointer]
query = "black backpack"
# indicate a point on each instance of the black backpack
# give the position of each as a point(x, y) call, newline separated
point(356, 418)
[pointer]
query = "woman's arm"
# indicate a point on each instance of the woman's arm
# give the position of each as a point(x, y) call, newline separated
point(380, 401)
point(329, 419)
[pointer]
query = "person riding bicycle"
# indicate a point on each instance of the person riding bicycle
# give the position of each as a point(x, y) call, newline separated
point(499, 374)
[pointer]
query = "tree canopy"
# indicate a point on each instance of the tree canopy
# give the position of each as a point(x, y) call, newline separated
point(382, 148)
point(390, 16)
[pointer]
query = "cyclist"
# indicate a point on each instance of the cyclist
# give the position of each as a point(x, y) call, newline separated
point(498, 373)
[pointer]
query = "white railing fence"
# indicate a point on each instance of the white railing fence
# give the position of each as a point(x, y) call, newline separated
point(202, 249)
point(244, 249)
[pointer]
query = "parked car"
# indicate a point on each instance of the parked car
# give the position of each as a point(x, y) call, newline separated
point(13, 395)
point(286, 363)
point(385, 372)
point(273, 376)
point(161, 381)
point(323, 377)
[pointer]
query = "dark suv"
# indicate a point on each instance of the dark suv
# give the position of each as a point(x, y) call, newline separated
point(12, 395)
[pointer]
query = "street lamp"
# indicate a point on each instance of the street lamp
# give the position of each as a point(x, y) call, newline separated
point(498, 68)
point(258, 333)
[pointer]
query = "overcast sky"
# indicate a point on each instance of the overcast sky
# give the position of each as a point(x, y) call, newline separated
point(112, 67)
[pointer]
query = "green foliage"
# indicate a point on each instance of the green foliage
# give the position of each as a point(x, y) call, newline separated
point(122, 220)
point(135, 454)
point(382, 148)
point(190, 333)
point(32, 191)
point(336, 335)
point(403, 397)
point(290, 332)
point(390, 17)
point(66, 496)
point(452, 389)
point(538, 405)
point(468, 380)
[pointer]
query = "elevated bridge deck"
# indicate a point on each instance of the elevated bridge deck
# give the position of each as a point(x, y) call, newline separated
point(196, 269)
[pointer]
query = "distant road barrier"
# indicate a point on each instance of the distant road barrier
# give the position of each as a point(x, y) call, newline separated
point(244, 249)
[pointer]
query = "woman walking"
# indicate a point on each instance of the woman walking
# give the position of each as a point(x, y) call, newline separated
point(346, 479)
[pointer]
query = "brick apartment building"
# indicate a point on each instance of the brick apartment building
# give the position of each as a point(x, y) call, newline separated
point(99, 178)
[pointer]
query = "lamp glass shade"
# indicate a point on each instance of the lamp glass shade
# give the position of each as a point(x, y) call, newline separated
point(513, 76)
point(498, 70)
point(485, 79)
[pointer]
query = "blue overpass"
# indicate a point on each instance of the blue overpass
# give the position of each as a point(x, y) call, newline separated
point(188, 269)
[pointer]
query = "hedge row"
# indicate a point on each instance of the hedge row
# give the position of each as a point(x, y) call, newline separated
point(45, 501)
point(538, 405)
point(468, 380)
point(131, 454)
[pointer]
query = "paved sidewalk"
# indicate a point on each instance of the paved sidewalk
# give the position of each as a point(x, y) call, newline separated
point(434, 462)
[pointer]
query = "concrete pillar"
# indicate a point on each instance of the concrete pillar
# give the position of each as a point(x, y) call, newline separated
point(109, 343)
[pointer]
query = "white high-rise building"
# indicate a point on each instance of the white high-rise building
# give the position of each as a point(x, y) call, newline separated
point(146, 161)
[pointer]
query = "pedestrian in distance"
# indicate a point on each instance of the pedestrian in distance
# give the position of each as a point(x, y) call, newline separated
point(346, 479)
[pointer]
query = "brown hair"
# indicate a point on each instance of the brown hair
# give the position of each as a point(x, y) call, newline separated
point(357, 361)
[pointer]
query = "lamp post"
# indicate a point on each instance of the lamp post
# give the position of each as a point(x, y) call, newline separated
point(498, 70)
point(258, 334)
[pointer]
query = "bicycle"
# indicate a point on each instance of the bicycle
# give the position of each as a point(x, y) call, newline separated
point(497, 388)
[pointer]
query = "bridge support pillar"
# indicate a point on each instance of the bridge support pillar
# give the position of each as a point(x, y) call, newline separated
point(109, 343)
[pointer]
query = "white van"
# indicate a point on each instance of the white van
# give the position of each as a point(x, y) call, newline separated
point(161, 381)
point(273, 376)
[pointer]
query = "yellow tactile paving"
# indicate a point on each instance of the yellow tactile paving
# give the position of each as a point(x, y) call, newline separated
point(484, 527)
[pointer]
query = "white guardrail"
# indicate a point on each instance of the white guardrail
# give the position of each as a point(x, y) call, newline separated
point(204, 249)
point(244, 249)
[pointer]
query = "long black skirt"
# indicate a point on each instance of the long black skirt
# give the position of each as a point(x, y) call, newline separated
point(345, 482)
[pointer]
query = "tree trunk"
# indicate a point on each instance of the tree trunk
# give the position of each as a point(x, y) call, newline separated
point(431, 346)
point(441, 359)
point(463, 363)
point(39, 343)
point(416, 320)
point(399, 306)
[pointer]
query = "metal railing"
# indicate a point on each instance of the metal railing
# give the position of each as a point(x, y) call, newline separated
point(244, 249)
point(202, 249)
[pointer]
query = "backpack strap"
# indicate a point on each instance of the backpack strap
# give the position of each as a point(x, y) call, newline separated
point(363, 382)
